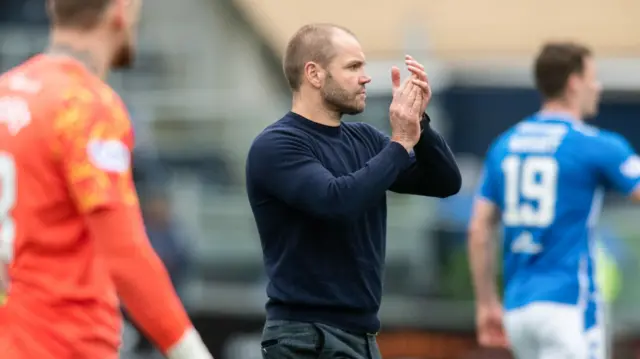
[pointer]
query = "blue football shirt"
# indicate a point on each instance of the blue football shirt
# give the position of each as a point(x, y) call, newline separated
point(547, 174)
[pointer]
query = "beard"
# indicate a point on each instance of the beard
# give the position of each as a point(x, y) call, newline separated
point(339, 100)
point(124, 57)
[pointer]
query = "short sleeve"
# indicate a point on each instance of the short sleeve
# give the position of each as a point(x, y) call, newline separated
point(488, 187)
point(618, 163)
point(489, 184)
point(94, 140)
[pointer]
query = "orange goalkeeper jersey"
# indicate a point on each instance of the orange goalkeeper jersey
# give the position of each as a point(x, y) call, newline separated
point(65, 150)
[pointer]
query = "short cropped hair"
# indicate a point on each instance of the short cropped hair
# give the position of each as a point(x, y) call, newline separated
point(313, 42)
point(555, 63)
point(81, 14)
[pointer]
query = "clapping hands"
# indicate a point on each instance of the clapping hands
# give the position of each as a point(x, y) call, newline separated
point(410, 100)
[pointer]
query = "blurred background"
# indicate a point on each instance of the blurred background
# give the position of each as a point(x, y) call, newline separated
point(208, 79)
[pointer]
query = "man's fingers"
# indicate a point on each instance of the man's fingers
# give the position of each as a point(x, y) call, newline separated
point(410, 58)
point(484, 339)
point(499, 341)
point(414, 99)
point(400, 90)
point(395, 79)
point(418, 72)
point(492, 341)
point(414, 63)
point(414, 89)
point(423, 85)
point(402, 94)
point(417, 105)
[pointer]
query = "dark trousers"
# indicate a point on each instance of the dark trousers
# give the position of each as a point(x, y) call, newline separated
point(299, 340)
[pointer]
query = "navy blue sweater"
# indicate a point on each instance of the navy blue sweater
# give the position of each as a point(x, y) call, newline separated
point(318, 197)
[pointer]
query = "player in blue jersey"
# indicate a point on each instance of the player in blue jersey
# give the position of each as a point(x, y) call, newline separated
point(544, 180)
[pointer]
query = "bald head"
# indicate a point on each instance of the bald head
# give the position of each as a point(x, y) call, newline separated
point(311, 43)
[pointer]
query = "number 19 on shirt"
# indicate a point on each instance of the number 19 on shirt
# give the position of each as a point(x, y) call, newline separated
point(527, 180)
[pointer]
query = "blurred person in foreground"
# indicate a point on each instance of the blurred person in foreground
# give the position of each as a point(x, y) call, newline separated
point(170, 245)
point(545, 179)
point(317, 189)
point(71, 232)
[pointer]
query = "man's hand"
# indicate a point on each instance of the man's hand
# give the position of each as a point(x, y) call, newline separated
point(190, 346)
point(490, 327)
point(420, 79)
point(404, 112)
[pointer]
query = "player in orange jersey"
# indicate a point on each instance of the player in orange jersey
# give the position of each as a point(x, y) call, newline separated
point(71, 235)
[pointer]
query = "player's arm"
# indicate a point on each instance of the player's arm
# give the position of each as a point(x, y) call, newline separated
point(95, 161)
point(432, 171)
point(489, 322)
point(619, 164)
point(481, 234)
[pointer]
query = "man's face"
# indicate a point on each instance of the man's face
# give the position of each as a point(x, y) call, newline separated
point(343, 89)
point(128, 13)
point(588, 89)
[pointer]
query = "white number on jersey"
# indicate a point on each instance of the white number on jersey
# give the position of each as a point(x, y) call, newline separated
point(8, 193)
point(532, 179)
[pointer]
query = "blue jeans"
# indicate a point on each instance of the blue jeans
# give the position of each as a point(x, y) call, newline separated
point(300, 340)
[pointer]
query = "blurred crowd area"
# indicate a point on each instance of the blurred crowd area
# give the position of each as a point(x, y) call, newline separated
point(208, 79)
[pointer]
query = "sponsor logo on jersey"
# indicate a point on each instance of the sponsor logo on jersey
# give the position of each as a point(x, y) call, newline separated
point(109, 155)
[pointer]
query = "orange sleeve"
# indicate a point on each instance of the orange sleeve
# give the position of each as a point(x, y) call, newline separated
point(95, 155)
point(140, 277)
point(94, 147)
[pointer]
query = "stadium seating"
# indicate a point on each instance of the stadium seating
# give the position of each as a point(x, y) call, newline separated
point(454, 28)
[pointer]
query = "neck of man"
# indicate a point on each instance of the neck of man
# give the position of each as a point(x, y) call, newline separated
point(562, 107)
point(88, 48)
point(314, 109)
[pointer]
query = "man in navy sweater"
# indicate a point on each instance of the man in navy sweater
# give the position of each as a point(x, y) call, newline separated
point(317, 188)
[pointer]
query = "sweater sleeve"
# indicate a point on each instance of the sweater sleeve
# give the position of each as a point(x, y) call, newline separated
point(283, 164)
point(432, 169)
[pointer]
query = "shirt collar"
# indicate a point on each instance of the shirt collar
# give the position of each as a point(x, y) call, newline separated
point(557, 116)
